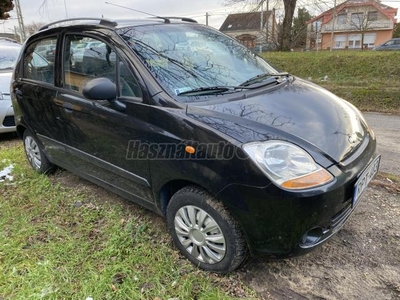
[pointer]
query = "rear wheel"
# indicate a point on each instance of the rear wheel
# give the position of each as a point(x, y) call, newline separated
point(35, 155)
point(204, 231)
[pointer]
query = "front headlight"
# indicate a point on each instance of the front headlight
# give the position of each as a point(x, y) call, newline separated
point(287, 165)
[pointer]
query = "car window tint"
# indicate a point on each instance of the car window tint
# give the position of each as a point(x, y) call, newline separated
point(39, 60)
point(86, 58)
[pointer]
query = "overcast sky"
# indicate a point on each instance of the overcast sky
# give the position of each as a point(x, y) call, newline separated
point(34, 11)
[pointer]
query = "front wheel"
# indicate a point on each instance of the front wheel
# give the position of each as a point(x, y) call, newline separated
point(204, 231)
point(37, 159)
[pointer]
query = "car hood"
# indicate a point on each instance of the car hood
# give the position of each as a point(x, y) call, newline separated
point(299, 111)
point(5, 80)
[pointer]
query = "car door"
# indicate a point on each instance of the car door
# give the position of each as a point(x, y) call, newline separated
point(35, 90)
point(98, 133)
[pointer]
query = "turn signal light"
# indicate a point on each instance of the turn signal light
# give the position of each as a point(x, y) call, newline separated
point(190, 149)
point(311, 180)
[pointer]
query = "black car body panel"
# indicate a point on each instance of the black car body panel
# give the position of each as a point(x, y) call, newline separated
point(138, 147)
point(283, 217)
point(297, 109)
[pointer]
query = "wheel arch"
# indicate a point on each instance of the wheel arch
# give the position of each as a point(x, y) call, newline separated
point(20, 131)
point(169, 189)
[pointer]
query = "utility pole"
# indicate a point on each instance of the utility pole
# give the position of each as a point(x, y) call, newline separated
point(268, 17)
point(333, 25)
point(261, 24)
point(20, 21)
point(207, 15)
point(273, 33)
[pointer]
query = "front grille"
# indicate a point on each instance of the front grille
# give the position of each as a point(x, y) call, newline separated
point(340, 217)
point(9, 121)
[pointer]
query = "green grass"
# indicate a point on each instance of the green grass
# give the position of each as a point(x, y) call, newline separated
point(62, 243)
point(368, 79)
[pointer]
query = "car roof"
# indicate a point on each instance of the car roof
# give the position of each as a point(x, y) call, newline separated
point(116, 23)
point(10, 45)
point(8, 41)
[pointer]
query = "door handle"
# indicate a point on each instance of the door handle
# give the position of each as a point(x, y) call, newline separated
point(68, 107)
point(18, 94)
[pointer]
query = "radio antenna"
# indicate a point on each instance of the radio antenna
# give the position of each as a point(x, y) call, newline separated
point(139, 11)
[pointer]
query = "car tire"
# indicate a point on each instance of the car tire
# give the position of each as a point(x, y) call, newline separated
point(37, 159)
point(204, 231)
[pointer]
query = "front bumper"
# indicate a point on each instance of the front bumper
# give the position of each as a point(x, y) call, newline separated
point(7, 122)
point(280, 223)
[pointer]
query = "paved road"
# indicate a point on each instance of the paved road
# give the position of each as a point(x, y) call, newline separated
point(387, 131)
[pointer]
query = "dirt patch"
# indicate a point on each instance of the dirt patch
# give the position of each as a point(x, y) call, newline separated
point(362, 261)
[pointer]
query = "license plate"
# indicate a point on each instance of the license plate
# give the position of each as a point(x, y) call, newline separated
point(365, 178)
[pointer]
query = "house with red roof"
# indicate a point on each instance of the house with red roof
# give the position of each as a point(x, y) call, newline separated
point(352, 25)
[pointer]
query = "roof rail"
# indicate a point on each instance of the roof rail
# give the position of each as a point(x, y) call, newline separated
point(166, 19)
point(104, 22)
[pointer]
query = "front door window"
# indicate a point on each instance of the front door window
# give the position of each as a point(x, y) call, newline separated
point(86, 58)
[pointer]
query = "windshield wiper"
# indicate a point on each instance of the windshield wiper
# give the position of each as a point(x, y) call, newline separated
point(211, 90)
point(262, 77)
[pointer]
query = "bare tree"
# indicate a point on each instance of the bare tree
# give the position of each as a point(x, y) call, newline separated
point(364, 20)
point(289, 8)
point(31, 28)
point(285, 38)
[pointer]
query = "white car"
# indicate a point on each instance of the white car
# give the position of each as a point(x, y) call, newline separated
point(8, 55)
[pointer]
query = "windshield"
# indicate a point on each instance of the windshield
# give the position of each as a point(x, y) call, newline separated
point(8, 57)
point(190, 57)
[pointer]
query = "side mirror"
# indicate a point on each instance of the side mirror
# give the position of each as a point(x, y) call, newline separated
point(100, 89)
point(103, 89)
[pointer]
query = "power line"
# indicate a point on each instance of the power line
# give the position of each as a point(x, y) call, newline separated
point(66, 11)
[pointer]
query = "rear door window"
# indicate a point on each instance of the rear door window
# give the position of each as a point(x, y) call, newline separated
point(38, 62)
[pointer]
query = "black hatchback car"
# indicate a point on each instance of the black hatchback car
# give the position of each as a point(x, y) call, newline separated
point(189, 123)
